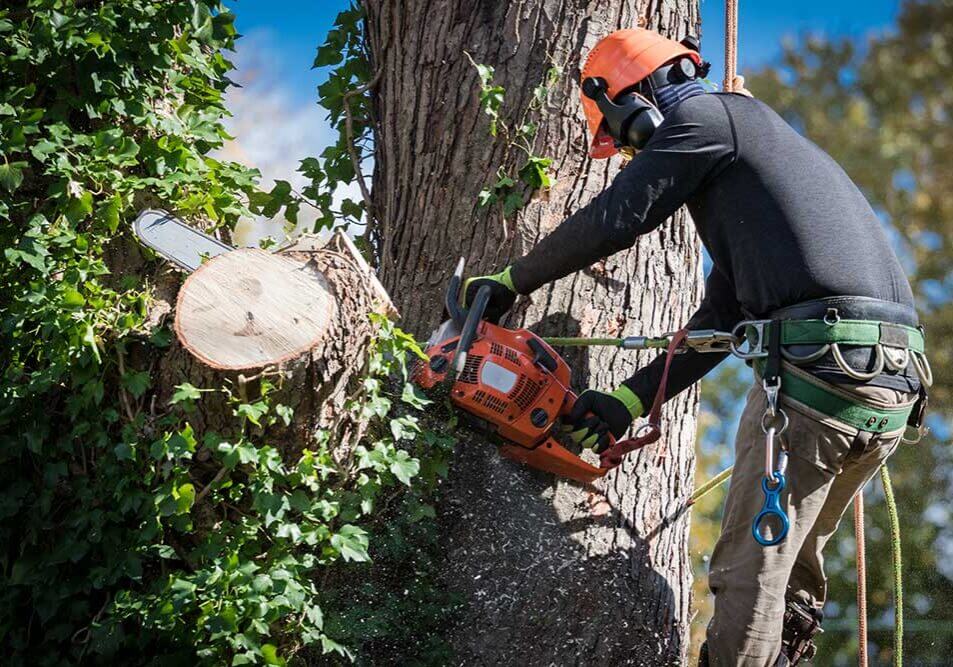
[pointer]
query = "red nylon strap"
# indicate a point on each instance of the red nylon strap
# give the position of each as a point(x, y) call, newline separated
point(614, 455)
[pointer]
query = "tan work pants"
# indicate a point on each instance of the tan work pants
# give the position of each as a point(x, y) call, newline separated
point(829, 463)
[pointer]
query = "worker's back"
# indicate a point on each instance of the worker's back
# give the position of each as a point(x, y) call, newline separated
point(782, 220)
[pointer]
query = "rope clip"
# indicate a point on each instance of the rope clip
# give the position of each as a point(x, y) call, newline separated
point(772, 484)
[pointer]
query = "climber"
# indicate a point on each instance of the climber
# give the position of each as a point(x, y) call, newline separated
point(791, 240)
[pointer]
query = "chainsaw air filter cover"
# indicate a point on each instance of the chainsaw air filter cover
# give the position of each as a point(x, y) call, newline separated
point(511, 381)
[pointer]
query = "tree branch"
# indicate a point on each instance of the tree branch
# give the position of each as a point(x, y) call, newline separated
point(351, 150)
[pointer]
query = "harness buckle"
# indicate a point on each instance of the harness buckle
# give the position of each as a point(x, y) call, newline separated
point(772, 390)
point(757, 345)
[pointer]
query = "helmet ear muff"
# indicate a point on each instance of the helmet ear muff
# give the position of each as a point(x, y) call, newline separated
point(631, 119)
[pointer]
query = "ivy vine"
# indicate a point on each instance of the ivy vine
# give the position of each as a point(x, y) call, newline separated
point(532, 174)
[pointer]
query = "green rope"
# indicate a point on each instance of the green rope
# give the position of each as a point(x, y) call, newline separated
point(715, 481)
point(583, 342)
point(897, 566)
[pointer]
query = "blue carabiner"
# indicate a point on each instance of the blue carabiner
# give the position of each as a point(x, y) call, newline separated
point(772, 507)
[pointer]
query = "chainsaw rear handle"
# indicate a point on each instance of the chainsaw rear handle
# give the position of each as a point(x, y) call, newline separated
point(468, 333)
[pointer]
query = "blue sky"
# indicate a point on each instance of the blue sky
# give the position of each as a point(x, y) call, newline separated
point(295, 28)
point(276, 120)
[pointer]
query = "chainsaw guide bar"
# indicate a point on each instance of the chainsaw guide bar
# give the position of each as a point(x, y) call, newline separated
point(181, 244)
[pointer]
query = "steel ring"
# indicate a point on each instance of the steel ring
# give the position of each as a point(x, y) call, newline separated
point(807, 358)
point(738, 339)
point(784, 422)
point(829, 320)
point(859, 375)
point(922, 366)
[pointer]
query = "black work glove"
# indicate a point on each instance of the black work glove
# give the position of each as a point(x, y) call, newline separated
point(502, 294)
point(610, 413)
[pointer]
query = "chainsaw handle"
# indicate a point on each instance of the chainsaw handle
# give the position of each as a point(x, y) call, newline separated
point(452, 300)
point(470, 325)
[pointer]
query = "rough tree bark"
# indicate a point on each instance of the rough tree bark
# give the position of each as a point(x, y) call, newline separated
point(551, 573)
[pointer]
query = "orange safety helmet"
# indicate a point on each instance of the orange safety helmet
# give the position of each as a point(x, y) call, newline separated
point(624, 58)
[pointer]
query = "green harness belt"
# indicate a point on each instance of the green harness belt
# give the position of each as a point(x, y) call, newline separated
point(830, 401)
point(851, 332)
point(838, 405)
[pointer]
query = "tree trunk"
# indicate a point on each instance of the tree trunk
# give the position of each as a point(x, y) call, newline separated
point(298, 318)
point(550, 573)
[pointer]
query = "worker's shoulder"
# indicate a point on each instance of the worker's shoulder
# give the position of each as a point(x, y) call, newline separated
point(708, 107)
point(703, 117)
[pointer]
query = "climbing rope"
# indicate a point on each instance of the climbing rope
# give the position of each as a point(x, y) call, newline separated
point(731, 44)
point(897, 558)
point(859, 538)
point(713, 483)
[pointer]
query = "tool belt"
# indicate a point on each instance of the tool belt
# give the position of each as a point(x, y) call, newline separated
point(878, 336)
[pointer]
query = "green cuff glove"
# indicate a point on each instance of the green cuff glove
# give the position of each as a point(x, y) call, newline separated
point(632, 402)
point(502, 293)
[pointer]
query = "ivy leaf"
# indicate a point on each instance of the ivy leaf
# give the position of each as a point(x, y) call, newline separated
point(413, 396)
point(486, 197)
point(11, 175)
point(184, 498)
point(286, 413)
point(252, 411)
point(404, 428)
point(485, 72)
point(351, 542)
point(512, 203)
point(72, 299)
point(535, 172)
point(136, 382)
point(185, 392)
point(270, 653)
point(404, 467)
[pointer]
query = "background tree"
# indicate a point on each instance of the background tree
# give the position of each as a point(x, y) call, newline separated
point(880, 109)
point(550, 573)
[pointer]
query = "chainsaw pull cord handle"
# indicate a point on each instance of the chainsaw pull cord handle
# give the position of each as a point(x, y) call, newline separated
point(470, 325)
point(650, 431)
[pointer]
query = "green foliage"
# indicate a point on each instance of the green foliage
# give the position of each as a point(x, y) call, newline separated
point(533, 173)
point(128, 532)
point(344, 92)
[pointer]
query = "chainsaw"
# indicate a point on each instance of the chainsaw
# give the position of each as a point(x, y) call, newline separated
point(511, 384)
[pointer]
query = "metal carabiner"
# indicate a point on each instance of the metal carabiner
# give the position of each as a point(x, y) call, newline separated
point(773, 473)
point(771, 508)
point(709, 340)
point(922, 367)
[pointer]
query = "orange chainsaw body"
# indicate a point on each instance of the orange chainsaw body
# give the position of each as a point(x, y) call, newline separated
point(514, 385)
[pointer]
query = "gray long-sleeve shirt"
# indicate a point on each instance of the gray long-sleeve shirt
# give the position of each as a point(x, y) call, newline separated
point(780, 219)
